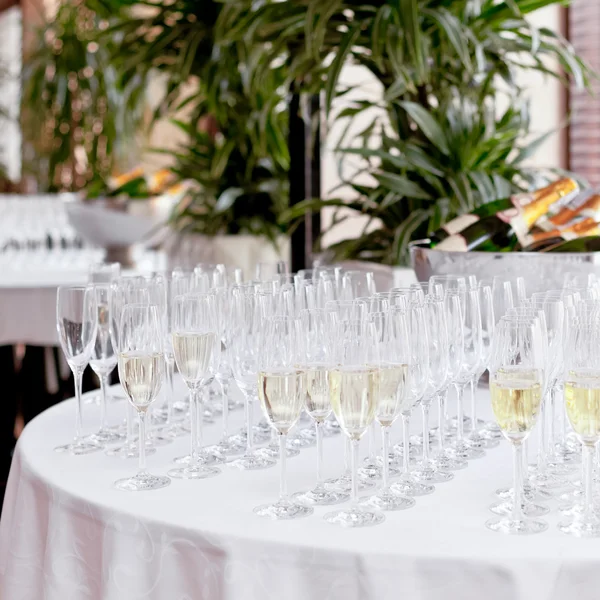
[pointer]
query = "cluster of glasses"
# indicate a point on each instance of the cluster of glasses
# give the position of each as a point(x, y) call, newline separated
point(321, 351)
point(544, 368)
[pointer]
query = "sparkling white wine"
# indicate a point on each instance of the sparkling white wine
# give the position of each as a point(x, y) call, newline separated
point(194, 353)
point(516, 398)
point(353, 392)
point(317, 401)
point(391, 381)
point(282, 395)
point(141, 376)
point(582, 401)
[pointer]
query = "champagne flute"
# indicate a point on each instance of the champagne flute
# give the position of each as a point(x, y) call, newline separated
point(197, 349)
point(516, 384)
point(77, 323)
point(281, 389)
point(316, 362)
point(245, 347)
point(354, 395)
point(104, 273)
point(393, 363)
point(103, 361)
point(268, 271)
point(582, 402)
point(141, 371)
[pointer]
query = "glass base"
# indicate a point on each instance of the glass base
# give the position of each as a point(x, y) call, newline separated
point(207, 457)
point(530, 509)
point(414, 452)
point(105, 436)
point(252, 462)
point(321, 496)
point(581, 528)
point(547, 482)
point(480, 441)
point(227, 448)
point(564, 454)
point(344, 484)
point(142, 482)
point(520, 527)
point(465, 451)
point(158, 439)
point(529, 493)
point(387, 500)
point(445, 461)
point(283, 511)
point(407, 486)
point(80, 447)
point(272, 451)
point(129, 451)
point(355, 516)
point(200, 472)
point(299, 441)
point(430, 473)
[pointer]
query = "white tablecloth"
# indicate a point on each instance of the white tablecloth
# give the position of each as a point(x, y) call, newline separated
point(67, 534)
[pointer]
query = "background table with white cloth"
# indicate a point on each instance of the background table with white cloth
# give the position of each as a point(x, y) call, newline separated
point(66, 533)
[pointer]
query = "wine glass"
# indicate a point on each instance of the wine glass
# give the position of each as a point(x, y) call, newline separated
point(103, 360)
point(357, 284)
point(77, 323)
point(418, 376)
point(392, 341)
point(582, 402)
point(141, 371)
point(269, 271)
point(353, 391)
point(316, 362)
point(104, 273)
point(516, 385)
point(245, 349)
point(197, 349)
point(281, 389)
point(437, 334)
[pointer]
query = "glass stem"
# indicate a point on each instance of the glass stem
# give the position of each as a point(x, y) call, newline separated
point(551, 420)
point(472, 384)
point(525, 467)
point(200, 409)
point(372, 443)
point(319, 432)
point(425, 411)
point(103, 386)
point(274, 442)
point(517, 482)
point(385, 431)
point(170, 364)
point(194, 428)
point(460, 425)
point(249, 414)
point(282, 464)
point(129, 414)
point(588, 481)
point(442, 419)
point(563, 415)
point(354, 472)
point(542, 442)
point(142, 442)
point(78, 379)
point(405, 443)
point(225, 395)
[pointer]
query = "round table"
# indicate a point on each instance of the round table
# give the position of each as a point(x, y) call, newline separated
point(66, 533)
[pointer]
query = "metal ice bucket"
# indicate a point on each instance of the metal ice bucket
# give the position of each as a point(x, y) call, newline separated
point(541, 271)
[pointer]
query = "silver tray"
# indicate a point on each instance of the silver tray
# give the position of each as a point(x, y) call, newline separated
point(541, 271)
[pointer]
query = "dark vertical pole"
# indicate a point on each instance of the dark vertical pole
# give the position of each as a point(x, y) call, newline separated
point(305, 173)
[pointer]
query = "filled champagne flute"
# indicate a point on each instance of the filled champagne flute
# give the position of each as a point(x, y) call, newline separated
point(316, 362)
point(197, 350)
point(393, 357)
point(516, 388)
point(281, 389)
point(354, 394)
point(141, 371)
point(582, 404)
point(77, 322)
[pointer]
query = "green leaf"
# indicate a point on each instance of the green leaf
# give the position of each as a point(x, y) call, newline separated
point(428, 125)
point(401, 185)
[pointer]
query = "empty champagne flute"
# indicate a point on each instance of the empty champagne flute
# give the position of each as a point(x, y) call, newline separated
point(281, 389)
point(316, 362)
point(77, 322)
point(516, 384)
point(353, 391)
point(197, 349)
point(141, 371)
point(103, 361)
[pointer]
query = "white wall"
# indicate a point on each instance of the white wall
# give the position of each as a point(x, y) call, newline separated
point(547, 112)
